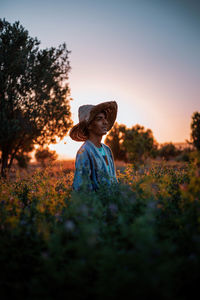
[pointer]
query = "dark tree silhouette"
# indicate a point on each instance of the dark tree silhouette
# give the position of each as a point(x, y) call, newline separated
point(168, 150)
point(115, 140)
point(195, 130)
point(131, 144)
point(45, 155)
point(139, 143)
point(34, 93)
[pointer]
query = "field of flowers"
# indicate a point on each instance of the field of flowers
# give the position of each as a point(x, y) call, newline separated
point(139, 239)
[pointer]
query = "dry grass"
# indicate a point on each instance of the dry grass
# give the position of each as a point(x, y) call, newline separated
point(64, 165)
point(67, 166)
point(58, 167)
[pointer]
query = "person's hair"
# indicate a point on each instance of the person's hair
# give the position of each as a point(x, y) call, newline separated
point(86, 132)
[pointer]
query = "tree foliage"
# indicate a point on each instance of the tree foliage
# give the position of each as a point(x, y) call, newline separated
point(23, 160)
point(195, 130)
point(45, 155)
point(133, 144)
point(139, 143)
point(34, 92)
point(168, 150)
point(115, 140)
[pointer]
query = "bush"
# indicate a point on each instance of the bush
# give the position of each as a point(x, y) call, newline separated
point(45, 155)
point(184, 155)
point(168, 151)
point(139, 239)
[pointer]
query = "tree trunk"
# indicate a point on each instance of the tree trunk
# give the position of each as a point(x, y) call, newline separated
point(4, 163)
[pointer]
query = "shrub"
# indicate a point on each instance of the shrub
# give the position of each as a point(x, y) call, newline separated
point(138, 239)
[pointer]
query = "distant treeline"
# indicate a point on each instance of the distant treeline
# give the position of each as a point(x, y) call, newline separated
point(136, 144)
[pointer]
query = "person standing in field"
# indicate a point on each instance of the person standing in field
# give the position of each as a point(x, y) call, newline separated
point(94, 163)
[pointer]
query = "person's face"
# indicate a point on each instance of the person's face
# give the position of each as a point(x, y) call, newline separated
point(99, 126)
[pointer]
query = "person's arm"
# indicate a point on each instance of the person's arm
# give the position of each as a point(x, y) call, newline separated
point(82, 176)
point(113, 162)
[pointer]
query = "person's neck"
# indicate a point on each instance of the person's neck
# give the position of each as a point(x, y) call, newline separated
point(96, 140)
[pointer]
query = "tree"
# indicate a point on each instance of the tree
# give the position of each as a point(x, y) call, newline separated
point(23, 160)
point(195, 130)
point(131, 144)
point(168, 150)
point(115, 140)
point(44, 155)
point(34, 93)
point(139, 143)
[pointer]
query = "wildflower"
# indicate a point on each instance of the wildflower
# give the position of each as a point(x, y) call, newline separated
point(45, 254)
point(184, 187)
point(83, 209)
point(154, 187)
point(23, 222)
point(159, 206)
point(197, 173)
point(58, 216)
point(92, 240)
point(69, 225)
point(12, 200)
point(113, 208)
point(152, 204)
point(192, 257)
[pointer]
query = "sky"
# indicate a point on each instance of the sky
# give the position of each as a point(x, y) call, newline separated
point(144, 54)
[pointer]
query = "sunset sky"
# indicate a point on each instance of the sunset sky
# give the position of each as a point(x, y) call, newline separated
point(143, 54)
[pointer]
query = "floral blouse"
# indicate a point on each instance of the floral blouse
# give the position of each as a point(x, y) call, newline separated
point(92, 168)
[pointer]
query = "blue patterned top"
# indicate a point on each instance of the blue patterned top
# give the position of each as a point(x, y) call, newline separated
point(92, 168)
point(103, 154)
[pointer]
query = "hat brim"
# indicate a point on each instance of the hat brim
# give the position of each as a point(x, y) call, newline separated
point(77, 133)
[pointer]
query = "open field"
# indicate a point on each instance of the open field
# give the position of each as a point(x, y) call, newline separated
point(140, 237)
point(67, 166)
point(57, 167)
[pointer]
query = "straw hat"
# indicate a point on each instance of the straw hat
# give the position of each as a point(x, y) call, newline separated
point(86, 114)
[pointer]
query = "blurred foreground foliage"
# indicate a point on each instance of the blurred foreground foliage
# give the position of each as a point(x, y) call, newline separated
point(139, 239)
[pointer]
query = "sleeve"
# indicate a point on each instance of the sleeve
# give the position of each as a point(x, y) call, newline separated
point(113, 163)
point(82, 176)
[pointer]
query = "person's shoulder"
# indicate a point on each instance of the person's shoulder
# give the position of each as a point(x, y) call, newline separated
point(106, 147)
point(82, 150)
point(85, 149)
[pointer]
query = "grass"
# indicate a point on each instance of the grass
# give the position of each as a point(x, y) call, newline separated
point(138, 239)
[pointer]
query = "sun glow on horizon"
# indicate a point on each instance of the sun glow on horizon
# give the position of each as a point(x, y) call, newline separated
point(67, 148)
